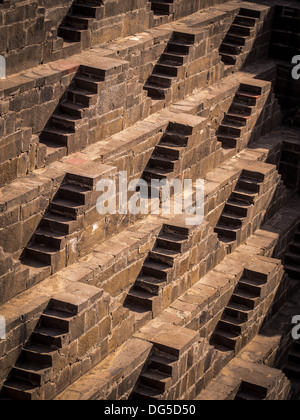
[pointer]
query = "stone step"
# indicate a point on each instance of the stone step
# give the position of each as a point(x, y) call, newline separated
point(31, 373)
point(230, 48)
point(158, 79)
point(230, 129)
point(88, 83)
point(51, 239)
point(156, 380)
point(250, 13)
point(162, 7)
point(187, 37)
point(292, 370)
point(236, 119)
point(57, 136)
point(65, 122)
point(226, 338)
point(150, 284)
point(293, 271)
point(240, 108)
point(81, 96)
point(162, 162)
point(235, 39)
point(155, 269)
point(177, 139)
point(171, 242)
point(167, 70)
point(38, 354)
point(247, 98)
point(145, 393)
point(245, 21)
point(51, 337)
point(79, 21)
point(248, 184)
point(162, 363)
point(295, 248)
point(240, 29)
point(245, 298)
point(250, 286)
point(173, 57)
point(87, 10)
point(155, 91)
point(294, 357)
point(233, 325)
point(41, 252)
point(169, 150)
point(164, 256)
point(56, 319)
point(229, 59)
point(178, 47)
point(231, 220)
point(292, 258)
point(159, 174)
point(243, 195)
point(71, 34)
point(236, 207)
point(66, 207)
point(140, 298)
point(228, 141)
point(74, 193)
point(19, 390)
point(225, 231)
point(235, 310)
point(59, 224)
point(75, 110)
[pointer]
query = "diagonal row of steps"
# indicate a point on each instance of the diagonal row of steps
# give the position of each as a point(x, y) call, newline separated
point(292, 257)
point(62, 219)
point(231, 331)
point(156, 377)
point(170, 65)
point(35, 363)
point(239, 115)
point(60, 132)
point(292, 367)
point(80, 20)
point(237, 208)
point(241, 31)
point(157, 270)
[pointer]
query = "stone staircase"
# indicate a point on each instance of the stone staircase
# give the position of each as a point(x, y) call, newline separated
point(240, 35)
point(46, 252)
point(162, 7)
point(233, 328)
point(41, 354)
point(292, 257)
point(78, 23)
point(239, 115)
point(64, 132)
point(145, 297)
point(156, 378)
point(170, 65)
point(238, 206)
point(251, 392)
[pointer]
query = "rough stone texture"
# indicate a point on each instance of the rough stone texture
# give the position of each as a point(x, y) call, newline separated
point(123, 306)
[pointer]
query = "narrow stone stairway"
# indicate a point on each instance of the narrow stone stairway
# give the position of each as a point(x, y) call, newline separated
point(45, 254)
point(230, 331)
point(237, 208)
point(35, 363)
point(156, 377)
point(60, 134)
point(170, 65)
point(241, 32)
point(292, 257)
point(79, 21)
point(239, 115)
point(144, 297)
